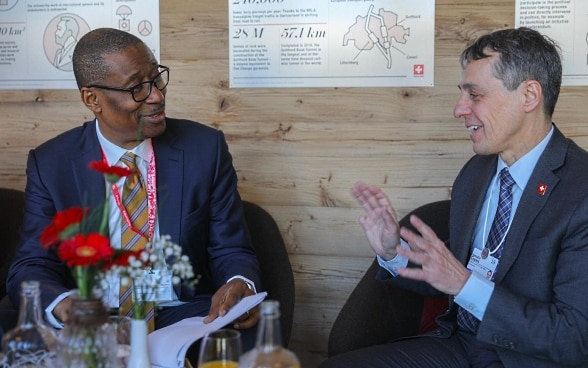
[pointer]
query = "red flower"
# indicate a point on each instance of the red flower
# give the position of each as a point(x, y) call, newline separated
point(87, 250)
point(111, 173)
point(62, 221)
point(49, 236)
point(121, 258)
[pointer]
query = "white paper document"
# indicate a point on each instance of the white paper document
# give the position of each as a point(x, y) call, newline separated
point(168, 346)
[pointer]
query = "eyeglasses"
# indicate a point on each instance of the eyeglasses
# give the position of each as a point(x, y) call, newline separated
point(142, 91)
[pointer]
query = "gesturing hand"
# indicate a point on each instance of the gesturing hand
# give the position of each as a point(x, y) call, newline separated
point(439, 267)
point(379, 222)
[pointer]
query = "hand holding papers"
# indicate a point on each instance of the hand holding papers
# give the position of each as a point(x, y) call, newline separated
point(168, 346)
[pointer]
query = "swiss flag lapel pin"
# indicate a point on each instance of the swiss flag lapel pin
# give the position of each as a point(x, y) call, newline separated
point(541, 189)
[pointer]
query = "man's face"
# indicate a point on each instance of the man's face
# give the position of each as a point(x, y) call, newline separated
point(60, 35)
point(122, 120)
point(493, 115)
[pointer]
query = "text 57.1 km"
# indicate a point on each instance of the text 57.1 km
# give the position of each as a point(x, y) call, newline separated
point(287, 32)
point(244, 2)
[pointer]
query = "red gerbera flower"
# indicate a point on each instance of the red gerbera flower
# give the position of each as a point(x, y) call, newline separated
point(85, 250)
point(121, 258)
point(111, 173)
point(61, 222)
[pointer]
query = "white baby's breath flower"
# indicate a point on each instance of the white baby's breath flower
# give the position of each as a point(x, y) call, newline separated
point(160, 258)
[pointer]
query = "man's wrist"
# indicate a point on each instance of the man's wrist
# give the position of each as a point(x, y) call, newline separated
point(250, 285)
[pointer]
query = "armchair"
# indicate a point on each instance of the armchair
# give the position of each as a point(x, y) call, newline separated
point(11, 217)
point(376, 312)
point(276, 271)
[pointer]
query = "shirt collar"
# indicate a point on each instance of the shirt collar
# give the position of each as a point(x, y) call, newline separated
point(113, 152)
point(522, 169)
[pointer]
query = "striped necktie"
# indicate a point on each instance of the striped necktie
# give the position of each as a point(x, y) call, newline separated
point(495, 239)
point(134, 238)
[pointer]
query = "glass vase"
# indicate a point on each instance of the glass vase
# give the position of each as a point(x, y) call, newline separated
point(88, 339)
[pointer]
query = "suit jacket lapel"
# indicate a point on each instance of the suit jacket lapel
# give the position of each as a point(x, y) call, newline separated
point(532, 200)
point(89, 184)
point(169, 162)
point(467, 219)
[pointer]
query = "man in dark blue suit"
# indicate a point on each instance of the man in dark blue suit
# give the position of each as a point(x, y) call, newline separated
point(532, 312)
point(193, 192)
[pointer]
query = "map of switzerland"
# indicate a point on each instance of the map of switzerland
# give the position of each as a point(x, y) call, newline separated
point(377, 29)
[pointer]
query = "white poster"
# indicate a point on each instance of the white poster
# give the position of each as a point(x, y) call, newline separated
point(37, 37)
point(331, 43)
point(565, 21)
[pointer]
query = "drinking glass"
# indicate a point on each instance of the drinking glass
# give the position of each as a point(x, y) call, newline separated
point(220, 349)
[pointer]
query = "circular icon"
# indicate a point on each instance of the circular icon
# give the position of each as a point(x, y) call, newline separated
point(6, 5)
point(61, 36)
point(145, 28)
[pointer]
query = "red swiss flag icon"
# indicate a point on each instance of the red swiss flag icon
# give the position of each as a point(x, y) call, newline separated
point(418, 69)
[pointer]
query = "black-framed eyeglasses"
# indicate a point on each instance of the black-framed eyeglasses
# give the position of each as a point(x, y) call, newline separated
point(142, 91)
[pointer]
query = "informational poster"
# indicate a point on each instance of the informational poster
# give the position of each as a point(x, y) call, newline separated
point(566, 22)
point(331, 43)
point(37, 37)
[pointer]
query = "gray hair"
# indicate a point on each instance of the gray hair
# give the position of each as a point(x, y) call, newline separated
point(524, 54)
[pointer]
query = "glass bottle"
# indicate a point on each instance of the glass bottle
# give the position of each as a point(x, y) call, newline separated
point(268, 351)
point(31, 343)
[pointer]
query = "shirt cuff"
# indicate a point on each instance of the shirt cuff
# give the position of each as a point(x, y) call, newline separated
point(475, 295)
point(49, 316)
point(249, 283)
point(395, 263)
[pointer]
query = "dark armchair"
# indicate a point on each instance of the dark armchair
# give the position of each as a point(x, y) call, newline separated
point(376, 312)
point(11, 217)
point(276, 270)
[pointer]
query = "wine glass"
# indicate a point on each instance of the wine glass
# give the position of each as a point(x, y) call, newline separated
point(220, 349)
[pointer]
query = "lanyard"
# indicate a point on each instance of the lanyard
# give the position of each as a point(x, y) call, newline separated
point(151, 200)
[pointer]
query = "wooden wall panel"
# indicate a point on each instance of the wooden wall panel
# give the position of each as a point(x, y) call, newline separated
point(297, 151)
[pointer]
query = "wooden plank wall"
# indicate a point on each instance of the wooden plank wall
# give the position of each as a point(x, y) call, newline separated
point(298, 151)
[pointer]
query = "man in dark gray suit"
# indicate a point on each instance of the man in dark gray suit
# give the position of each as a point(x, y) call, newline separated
point(533, 311)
